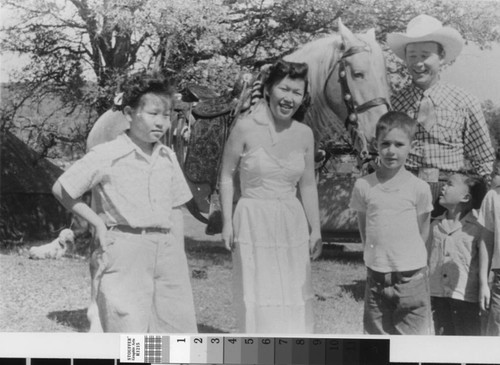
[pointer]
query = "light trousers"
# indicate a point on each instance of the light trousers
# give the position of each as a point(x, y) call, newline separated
point(141, 283)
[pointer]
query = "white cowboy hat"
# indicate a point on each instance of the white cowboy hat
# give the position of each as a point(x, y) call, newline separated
point(425, 28)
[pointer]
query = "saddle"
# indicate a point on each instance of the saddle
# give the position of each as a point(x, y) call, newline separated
point(208, 135)
point(214, 116)
point(215, 107)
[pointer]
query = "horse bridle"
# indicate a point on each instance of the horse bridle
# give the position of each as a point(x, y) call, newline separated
point(353, 109)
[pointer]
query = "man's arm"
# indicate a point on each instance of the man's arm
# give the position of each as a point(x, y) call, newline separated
point(477, 144)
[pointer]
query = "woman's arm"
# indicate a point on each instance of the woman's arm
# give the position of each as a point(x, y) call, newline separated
point(309, 194)
point(77, 206)
point(232, 151)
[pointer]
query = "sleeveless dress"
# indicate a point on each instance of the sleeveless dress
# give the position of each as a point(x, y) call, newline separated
point(272, 274)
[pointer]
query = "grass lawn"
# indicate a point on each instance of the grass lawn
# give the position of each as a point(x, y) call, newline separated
point(52, 295)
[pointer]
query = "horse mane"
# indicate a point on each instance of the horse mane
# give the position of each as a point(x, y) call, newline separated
point(320, 55)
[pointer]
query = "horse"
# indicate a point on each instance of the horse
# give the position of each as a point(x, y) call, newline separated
point(349, 88)
point(349, 92)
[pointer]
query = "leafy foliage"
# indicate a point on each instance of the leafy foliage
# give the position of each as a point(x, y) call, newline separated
point(79, 48)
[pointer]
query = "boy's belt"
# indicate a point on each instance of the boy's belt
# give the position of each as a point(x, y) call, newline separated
point(396, 277)
point(137, 230)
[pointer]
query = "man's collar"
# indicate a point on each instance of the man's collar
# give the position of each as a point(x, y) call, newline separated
point(434, 92)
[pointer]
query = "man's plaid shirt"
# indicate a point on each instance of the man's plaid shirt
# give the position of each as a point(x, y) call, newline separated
point(460, 137)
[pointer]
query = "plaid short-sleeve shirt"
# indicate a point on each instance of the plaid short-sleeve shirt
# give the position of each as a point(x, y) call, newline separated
point(460, 138)
point(132, 188)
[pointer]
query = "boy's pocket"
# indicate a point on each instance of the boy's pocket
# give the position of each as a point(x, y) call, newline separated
point(107, 251)
point(413, 292)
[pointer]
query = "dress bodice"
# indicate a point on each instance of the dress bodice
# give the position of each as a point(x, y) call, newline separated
point(264, 176)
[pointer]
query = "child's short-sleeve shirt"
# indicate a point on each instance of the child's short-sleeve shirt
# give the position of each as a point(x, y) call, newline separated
point(132, 188)
point(454, 258)
point(393, 240)
point(489, 218)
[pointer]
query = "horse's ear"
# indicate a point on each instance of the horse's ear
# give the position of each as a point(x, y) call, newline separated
point(348, 38)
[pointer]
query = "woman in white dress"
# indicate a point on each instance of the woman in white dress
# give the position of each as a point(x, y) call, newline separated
point(273, 235)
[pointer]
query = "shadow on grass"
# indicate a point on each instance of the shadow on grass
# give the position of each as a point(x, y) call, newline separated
point(357, 289)
point(337, 252)
point(76, 319)
point(207, 250)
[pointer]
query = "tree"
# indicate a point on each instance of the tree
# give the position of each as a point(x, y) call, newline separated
point(79, 48)
point(72, 42)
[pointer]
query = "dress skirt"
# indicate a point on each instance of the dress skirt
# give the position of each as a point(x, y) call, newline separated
point(272, 272)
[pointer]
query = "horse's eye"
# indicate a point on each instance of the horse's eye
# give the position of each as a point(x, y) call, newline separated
point(358, 75)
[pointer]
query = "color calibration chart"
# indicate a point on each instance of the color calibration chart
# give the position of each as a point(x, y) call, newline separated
point(180, 349)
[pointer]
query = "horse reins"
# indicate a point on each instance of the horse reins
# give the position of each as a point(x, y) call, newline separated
point(353, 109)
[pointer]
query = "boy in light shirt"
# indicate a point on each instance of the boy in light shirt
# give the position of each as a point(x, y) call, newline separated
point(393, 208)
point(141, 277)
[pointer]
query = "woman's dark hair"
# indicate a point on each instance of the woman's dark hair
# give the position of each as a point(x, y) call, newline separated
point(293, 70)
point(133, 87)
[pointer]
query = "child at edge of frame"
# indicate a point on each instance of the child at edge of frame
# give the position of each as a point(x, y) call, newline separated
point(393, 208)
point(141, 278)
point(489, 257)
point(453, 248)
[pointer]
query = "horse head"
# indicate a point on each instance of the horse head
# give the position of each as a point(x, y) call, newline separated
point(364, 86)
point(349, 88)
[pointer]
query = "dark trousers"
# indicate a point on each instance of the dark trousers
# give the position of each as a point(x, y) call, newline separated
point(453, 317)
point(397, 303)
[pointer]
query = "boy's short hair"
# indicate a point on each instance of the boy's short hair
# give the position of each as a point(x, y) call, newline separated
point(136, 85)
point(477, 189)
point(391, 120)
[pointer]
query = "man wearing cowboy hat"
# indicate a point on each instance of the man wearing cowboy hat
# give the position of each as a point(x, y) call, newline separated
point(452, 135)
